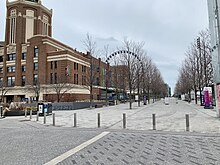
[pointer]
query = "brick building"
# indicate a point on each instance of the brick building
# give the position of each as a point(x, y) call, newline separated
point(29, 56)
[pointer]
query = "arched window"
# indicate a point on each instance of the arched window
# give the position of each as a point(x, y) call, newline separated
point(12, 26)
point(29, 24)
point(45, 25)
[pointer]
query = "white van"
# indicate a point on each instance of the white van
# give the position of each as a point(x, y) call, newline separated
point(166, 101)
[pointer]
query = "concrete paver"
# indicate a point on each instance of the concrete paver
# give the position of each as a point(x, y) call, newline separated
point(168, 117)
point(146, 149)
point(30, 144)
point(26, 141)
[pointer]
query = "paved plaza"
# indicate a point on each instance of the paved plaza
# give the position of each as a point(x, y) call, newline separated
point(168, 117)
point(26, 141)
point(143, 149)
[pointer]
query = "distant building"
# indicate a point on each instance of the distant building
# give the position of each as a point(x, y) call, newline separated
point(29, 55)
point(168, 90)
point(214, 27)
point(213, 9)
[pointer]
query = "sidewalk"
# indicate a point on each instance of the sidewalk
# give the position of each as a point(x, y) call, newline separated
point(168, 117)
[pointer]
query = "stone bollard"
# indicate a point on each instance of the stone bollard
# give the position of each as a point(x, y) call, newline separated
point(187, 122)
point(45, 118)
point(124, 120)
point(154, 121)
point(98, 120)
point(74, 120)
point(53, 119)
point(37, 117)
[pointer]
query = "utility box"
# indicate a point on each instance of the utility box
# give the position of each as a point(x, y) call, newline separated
point(44, 108)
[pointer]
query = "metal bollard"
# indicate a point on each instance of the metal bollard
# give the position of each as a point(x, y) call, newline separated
point(37, 117)
point(98, 120)
point(44, 118)
point(1, 111)
point(25, 113)
point(74, 120)
point(124, 120)
point(154, 121)
point(187, 122)
point(53, 119)
point(30, 114)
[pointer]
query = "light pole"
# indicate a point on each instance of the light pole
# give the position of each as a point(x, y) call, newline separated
point(106, 84)
point(91, 80)
point(199, 69)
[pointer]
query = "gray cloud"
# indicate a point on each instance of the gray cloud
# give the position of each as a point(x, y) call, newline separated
point(166, 26)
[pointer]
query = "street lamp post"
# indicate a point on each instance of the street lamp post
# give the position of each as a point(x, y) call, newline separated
point(139, 104)
point(106, 85)
point(91, 81)
point(199, 70)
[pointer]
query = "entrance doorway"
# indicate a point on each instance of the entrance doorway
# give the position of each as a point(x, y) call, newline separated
point(9, 99)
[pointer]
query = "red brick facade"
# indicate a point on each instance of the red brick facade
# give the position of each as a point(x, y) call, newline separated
point(31, 55)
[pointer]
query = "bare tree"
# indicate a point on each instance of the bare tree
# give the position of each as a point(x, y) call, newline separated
point(119, 77)
point(3, 89)
point(34, 87)
point(90, 78)
point(147, 74)
point(131, 60)
point(61, 87)
point(158, 85)
point(196, 71)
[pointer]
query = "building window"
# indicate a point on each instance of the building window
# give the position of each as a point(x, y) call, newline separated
point(11, 69)
point(83, 69)
point(75, 78)
point(11, 81)
point(1, 58)
point(51, 65)
point(55, 78)
point(36, 50)
point(23, 80)
point(1, 70)
point(29, 24)
point(35, 66)
point(55, 64)
point(12, 57)
point(83, 80)
point(97, 69)
point(51, 78)
point(75, 66)
point(45, 25)
point(12, 26)
point(24, 55)
point(97, 81)
point(1, 80)
point(23, 68)
point(35, 79)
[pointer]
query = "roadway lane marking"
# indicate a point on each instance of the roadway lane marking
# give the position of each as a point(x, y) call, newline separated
point(76, 149)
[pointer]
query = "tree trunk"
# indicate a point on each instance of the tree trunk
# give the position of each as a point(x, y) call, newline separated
point(91, 97)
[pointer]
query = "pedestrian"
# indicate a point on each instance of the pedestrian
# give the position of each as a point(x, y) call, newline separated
point(189, 100)
point(6, 109)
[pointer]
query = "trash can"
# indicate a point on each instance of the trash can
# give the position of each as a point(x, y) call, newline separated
point(44, 108)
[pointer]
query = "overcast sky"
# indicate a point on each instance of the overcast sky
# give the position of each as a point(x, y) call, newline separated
point(166, 26)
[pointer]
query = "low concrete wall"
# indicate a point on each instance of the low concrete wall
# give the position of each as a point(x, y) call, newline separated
point(73, 105)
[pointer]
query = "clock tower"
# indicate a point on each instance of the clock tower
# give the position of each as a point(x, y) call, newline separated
point(25, 19)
